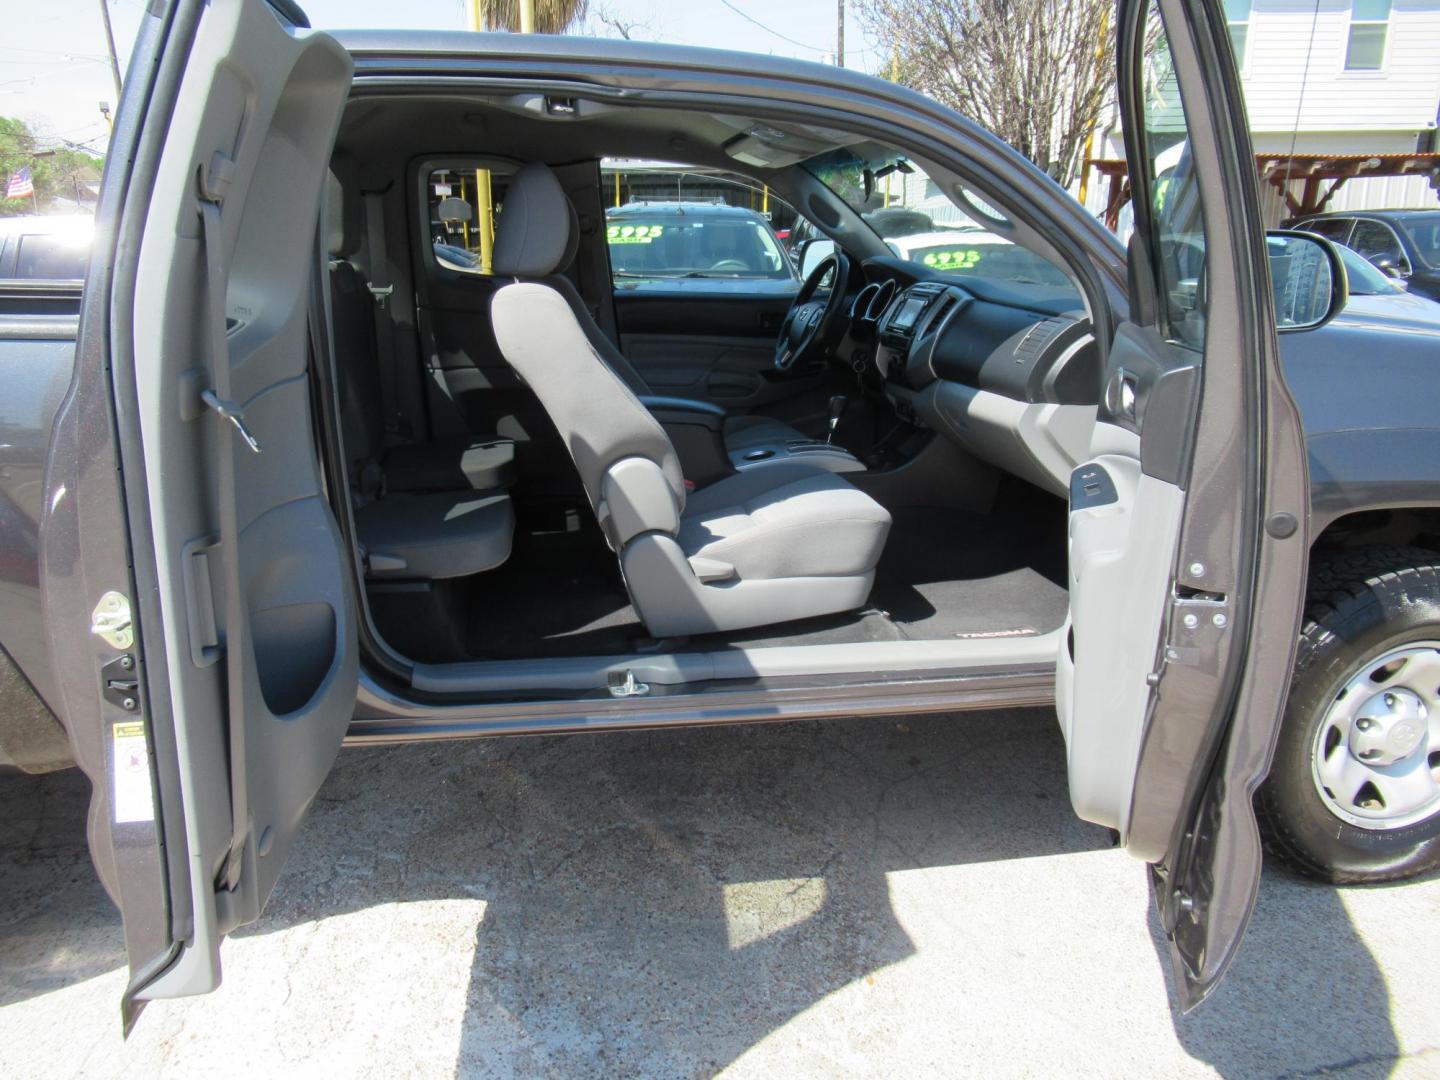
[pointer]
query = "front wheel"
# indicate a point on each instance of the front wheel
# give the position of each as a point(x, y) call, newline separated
point(1354, 791)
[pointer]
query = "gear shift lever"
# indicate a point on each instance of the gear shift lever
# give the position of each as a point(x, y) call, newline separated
point(837, 408)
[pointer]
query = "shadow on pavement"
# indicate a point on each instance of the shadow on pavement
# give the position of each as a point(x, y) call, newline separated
point(659, 902)
point(57, 926)
point(1303, 997)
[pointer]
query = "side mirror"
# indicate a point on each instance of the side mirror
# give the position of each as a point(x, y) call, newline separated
point(1308, 278)
point(1399, 270)
point(812, 254)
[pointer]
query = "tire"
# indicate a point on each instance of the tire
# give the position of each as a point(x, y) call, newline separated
point(1364, 606)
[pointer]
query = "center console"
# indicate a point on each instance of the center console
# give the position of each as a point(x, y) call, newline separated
point(813, 452)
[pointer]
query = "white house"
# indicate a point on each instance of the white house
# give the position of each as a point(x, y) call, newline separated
point(1334, 77)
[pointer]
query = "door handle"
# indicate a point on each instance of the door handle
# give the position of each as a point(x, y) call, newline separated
point(1121, 394)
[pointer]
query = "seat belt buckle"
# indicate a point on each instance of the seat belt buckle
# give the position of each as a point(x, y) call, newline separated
point(381, 293)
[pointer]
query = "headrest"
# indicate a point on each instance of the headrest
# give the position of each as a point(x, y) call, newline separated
point(342, 218)
point(572, 242)
point(534, 227)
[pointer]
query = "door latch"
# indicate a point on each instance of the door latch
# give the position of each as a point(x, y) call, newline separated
point(110, 621)
point(119, 684)
point(623, 686)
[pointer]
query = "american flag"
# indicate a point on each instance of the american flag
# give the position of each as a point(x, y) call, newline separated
point(21, 185)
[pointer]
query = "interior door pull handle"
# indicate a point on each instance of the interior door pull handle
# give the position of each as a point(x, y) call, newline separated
point(1121, 394)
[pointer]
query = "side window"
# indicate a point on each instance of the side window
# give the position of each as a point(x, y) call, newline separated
point(1369, 26)
point(1172, 197)
point(678, 225)
point(1377, 242)
point(463, 201)
point(1336, 229)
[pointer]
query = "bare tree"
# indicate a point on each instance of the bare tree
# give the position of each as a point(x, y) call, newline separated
point(1038, 73)
point(605, 21)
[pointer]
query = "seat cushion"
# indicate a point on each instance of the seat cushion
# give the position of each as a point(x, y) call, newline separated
point(433, 536)
point(750, 432)
point(785, 520)
point(450, 466)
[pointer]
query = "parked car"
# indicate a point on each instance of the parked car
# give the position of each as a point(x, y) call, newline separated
point(45, 247)
point(689, 248)
point(1404, 244)
point(260, 501)
point(977, 253)
point(1377, 299)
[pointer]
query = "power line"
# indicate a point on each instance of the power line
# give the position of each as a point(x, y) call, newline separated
point(768, 30)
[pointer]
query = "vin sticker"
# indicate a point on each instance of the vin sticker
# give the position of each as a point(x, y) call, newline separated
point(130, 763)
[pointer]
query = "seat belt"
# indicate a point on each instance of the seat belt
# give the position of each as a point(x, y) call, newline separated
point(381, 290)
point(214, 184)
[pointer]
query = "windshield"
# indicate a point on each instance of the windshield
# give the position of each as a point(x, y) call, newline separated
point(1364, 279)
point(922, 224)
point(1424, 232)
point(671, 244)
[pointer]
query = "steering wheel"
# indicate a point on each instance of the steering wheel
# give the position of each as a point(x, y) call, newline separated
point(812, 321)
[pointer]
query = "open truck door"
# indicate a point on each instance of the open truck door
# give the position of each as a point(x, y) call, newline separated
point(1187, 537)
point(191, 558)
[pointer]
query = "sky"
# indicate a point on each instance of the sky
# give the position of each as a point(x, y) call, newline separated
point(54, 71)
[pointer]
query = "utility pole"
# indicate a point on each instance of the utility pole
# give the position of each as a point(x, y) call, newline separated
point(110, 44)
point(839, 33)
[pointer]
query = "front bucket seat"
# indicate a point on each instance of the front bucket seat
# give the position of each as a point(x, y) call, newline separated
point(755, 548)
point(537, 235)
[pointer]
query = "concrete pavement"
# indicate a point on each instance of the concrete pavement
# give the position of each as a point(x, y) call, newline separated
point(866, 898)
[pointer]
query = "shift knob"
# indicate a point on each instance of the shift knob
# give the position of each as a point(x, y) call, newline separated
point(837, 409)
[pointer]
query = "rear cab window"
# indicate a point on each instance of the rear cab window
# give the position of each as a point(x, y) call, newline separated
point(463, 201)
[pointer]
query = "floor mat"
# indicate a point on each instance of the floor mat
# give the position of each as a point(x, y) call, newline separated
point(945, 574)
point(948, 573)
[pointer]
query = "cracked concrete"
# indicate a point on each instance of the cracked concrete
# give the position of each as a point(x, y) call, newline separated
point(857, 897)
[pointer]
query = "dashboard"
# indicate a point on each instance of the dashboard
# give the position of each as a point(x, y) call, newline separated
point(1009, 371)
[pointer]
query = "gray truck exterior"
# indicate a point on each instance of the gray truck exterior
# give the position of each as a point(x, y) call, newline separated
point(1366, 393)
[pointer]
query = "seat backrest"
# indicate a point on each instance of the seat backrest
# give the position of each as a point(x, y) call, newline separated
point(536, 239)
point(626, 462)
point(352, 316)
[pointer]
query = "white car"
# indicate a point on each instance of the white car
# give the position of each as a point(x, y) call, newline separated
point(972, 250)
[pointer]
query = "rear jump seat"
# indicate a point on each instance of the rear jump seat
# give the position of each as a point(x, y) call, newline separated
point(423, 510)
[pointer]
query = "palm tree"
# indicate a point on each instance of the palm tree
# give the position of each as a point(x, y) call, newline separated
point(551, 16)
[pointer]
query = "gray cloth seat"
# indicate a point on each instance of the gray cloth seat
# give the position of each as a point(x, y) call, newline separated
point(442, 465)
point(758, 547)
point(424, 511)
point(740, 433)
point(435, 536)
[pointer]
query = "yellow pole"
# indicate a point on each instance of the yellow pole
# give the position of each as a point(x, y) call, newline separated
point(472, 15)
point(765, 199)
point(617, 189)
point(485, 220)
point(464, 225)
point(527, 16)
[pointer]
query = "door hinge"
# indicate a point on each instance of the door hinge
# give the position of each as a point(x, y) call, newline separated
point(1198, 623)
point(110, 621)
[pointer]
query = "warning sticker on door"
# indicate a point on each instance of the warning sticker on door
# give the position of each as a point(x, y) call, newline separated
point(131, 766)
